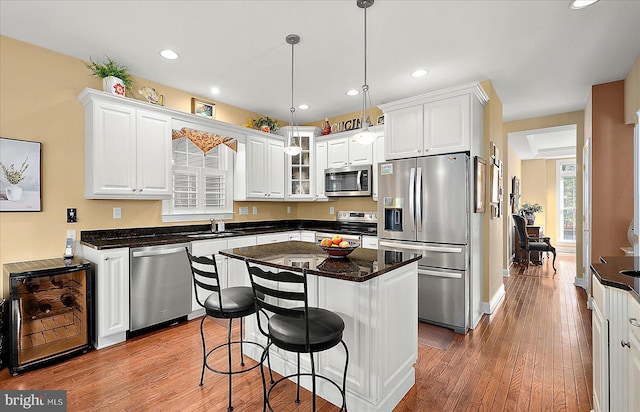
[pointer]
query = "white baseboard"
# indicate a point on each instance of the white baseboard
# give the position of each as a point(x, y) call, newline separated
point(492, 305)
point(582, 282)
point(505, 273)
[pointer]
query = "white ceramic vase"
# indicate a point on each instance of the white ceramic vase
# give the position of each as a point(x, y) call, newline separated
point(113, 85)
point(630, 234)
point(14, 193)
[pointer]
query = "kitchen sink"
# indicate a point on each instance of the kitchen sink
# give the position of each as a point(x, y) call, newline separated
point(634, 273)
point(213, 235)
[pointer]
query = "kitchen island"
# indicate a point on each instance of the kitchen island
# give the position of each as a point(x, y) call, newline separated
point(375, 293)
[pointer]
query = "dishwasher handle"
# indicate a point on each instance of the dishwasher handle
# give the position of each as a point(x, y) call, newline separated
point(158, 251)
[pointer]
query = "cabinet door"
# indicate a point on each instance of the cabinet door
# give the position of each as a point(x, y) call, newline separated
point(112, 288)
point(446, 125)
point(337, 152)
point(110, 146)
point(236, 269)
point(153, 155)
point(404, 132)
point(257, 178)
point(275, 169)
point(600, 342)
point(633, 373)
point(359, 154)
point(320, 166)
point(378, 157)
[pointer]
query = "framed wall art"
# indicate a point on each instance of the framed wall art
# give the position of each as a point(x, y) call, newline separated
point(20, 182)
point(480, 173)
point(203, 108)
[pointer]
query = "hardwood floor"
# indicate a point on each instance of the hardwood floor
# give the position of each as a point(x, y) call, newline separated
point(533, 353)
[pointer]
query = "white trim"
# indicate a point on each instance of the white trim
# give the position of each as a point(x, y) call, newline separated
point(492, 305)
point(558, 218)
point(505, 273)
point(582, 282)
point(195, 217)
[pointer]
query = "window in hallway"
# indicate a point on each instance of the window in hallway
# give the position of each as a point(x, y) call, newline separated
point(566, 184)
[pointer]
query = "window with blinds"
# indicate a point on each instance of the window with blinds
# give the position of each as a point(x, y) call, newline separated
point(202, 183)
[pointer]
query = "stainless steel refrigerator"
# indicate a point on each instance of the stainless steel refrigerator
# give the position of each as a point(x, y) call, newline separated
point(423, 208)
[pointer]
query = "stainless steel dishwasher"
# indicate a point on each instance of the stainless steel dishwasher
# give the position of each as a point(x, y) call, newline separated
point(160, 285)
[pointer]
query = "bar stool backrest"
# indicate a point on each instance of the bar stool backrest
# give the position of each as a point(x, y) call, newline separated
point(204, 271)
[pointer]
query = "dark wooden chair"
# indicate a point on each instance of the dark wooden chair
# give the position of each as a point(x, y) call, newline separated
point(528, 244)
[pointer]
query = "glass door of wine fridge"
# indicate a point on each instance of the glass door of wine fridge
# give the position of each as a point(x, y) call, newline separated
point(51, 315)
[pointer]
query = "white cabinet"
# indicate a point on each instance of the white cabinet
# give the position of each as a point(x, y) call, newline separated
point(445, 121)
point(293, 235)
point(369, 242)
point(321, 163)
point(237, 274)
point(308, 236)
point(209, 248)
point(633, 373)
point(127, 149)
point(600, 347)
point(344, 151)
point(301, 170)
point(265, 168)
point(272, 238)
point(378, 157)
point(112, 294)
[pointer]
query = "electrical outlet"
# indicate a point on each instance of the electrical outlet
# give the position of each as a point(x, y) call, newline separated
point(288, 209)
point(72, 215)
point(332, 211)
point(255, 210)
point(71, 234)
point(244, 210)
point(117, 213)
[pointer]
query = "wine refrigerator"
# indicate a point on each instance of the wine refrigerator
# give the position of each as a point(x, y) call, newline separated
point(50, 311)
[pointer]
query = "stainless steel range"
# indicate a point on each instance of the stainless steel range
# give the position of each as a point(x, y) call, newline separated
point(352, 225)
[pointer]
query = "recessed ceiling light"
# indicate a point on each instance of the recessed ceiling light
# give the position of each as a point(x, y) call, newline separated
point(169, 54)
point(303, 107)
point(215, 90)
point(419, 73)
point(352, 92)
point(581, 4)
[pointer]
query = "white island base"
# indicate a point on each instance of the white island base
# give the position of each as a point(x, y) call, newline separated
point(381, 334)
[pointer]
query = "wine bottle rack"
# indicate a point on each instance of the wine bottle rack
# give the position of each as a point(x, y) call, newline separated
point(51, 311)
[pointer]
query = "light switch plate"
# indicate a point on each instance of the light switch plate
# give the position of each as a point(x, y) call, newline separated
point(255, 210)
point(288, 209)
point(332, 211)
point(117, 213)
point(72, 215)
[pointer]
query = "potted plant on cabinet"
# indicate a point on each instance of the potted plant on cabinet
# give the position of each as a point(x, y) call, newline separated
point(266, 124)
point(529, 210)
point(115, 77)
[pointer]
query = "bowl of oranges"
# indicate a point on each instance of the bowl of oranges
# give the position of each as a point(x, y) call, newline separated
point(336, 247)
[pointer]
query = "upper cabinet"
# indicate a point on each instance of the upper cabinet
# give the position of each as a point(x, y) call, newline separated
point(344, 151)
point(445, 121)
point(300, 169)
point(265, 177)
point(127, 149)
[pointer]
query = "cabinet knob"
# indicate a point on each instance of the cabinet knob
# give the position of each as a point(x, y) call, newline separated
point(634, 322)
point(141, 190)
point(623, 344)
point(106, 258)
point(133, 190)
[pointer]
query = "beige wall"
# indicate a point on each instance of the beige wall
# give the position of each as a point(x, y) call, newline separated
point(533, 187)
point(493, 232)
point(561, 119)
point(632, 93)
point(611, 167)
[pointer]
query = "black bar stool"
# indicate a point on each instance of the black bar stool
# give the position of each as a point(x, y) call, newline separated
point(294, 326)
point(228, 303)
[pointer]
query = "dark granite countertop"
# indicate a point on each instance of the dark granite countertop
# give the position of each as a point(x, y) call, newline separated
point(359, 266)
point(163, 235)
point(608, 273)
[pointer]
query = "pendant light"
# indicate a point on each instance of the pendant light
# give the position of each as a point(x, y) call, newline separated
point(365, 135)
point(291, 148)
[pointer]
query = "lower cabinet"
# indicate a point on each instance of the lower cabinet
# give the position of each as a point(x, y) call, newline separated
point(369, 242)
point(112, 294)
point(616, 349)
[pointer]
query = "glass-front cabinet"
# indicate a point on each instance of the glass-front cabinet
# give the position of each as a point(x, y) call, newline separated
point(300, 168)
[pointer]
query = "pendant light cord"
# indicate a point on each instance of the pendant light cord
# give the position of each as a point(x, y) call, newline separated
point(365, 87)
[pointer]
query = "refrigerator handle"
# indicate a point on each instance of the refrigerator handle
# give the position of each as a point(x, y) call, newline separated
point(412, 185)
point(419, 199)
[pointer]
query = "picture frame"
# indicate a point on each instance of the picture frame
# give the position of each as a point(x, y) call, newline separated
point(203, 108)
point(495, 183)
point(20, 176)
point(480, 173)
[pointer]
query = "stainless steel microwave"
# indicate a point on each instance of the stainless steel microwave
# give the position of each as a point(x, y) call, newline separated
point(348, 181)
